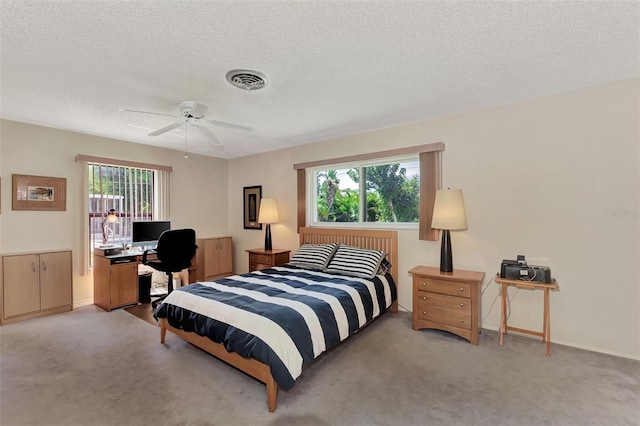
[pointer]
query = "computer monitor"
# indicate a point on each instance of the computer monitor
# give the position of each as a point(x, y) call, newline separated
point(147, 233)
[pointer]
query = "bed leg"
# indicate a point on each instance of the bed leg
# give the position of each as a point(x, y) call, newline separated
point(394, 307)
point(163, 329)
point(272, 394)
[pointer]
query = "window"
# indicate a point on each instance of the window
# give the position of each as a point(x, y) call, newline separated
point(382, 191)
point(429, 160)
point(130, 191)
point(127, 191)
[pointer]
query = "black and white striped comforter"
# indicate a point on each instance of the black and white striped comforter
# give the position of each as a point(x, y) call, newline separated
point(284, 316)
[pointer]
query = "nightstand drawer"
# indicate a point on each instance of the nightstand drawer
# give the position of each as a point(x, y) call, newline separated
point(445, 316)
point(434, 300)
point(260, 259)
point(453, 288)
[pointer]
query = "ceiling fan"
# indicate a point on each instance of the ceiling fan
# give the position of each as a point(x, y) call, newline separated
point(192, 113)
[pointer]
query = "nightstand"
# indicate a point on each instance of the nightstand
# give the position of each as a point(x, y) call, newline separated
point(447, 301)
point(261, 259)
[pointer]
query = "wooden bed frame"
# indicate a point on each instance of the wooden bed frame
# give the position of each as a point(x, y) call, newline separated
point(386, 241)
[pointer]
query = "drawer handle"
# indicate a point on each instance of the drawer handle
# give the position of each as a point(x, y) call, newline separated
point(424, 284)
point(462, 305)
point(461, 288)
point(424, 297)
point(424, 312)
point(462, 320)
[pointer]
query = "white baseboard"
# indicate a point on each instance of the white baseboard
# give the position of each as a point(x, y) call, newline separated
point(81, 303)
point(574, 345)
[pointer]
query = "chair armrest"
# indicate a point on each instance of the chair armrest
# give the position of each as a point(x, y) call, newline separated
point(144, 255)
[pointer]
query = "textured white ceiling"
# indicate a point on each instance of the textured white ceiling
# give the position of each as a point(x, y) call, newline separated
point(334, 67)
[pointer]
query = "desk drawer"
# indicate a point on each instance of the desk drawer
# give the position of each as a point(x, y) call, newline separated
point(454, 288)
point(260, 259)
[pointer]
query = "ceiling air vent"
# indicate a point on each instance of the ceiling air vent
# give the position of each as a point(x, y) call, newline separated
point(246, 79)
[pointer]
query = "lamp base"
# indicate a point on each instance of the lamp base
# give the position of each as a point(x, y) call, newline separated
point(267, 237)
point(446, 259)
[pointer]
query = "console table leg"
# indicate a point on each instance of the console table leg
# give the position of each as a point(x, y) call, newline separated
point(547, 322)
point(503, 313)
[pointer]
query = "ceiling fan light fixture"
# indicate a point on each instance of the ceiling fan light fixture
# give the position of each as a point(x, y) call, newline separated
point(247, 79)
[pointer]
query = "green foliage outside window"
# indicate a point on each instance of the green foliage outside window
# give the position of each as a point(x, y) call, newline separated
point(391, 194)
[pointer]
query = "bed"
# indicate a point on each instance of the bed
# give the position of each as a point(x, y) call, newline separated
point(305, 310)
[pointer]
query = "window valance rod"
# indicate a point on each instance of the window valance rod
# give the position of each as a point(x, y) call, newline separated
point(127, 163)
point(431, 147)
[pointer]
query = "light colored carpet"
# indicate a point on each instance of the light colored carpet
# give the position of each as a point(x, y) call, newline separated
point(90, 367)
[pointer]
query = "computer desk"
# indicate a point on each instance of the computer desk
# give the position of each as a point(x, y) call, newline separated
point(115, 276)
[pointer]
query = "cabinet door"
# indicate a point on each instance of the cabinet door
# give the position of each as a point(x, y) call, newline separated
point(211, 262)
point(124, 284)
point(225, 256)
point(21, 278)
point(55, 279)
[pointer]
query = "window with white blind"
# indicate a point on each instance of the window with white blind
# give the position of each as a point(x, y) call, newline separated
point(119, 193)
point(127, 193)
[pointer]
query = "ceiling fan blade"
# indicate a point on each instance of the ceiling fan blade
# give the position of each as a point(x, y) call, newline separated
point(167, 128)
point(152, 113)
point(208, 133)
point(231, 125)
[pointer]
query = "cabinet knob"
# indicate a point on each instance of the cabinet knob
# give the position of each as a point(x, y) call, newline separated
point(461, 288)
point(424, 284)
point(462, 320)
point(462, 305)
point(424, 312)
point(424, 297)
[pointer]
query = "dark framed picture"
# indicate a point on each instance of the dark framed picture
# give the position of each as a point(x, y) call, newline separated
point(39, 193)
point(252, 196)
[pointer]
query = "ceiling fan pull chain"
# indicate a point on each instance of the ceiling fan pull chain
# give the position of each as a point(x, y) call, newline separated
point(186, 138)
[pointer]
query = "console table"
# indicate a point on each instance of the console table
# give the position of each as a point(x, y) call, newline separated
point(528, 285)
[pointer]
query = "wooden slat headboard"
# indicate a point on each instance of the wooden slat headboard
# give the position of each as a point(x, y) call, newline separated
point(386, 241)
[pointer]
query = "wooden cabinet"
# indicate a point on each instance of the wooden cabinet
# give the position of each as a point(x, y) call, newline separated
point(263, 259)
point(35, 284)
point(214, 258)
point(447, 301)
point(115, 280)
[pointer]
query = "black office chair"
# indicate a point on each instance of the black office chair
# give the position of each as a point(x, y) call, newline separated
point(176, 248)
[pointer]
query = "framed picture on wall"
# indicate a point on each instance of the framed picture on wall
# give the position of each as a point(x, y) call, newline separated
point(252, 196)
point(38, 193)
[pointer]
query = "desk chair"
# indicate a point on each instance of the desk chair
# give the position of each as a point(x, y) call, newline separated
point(176, 248)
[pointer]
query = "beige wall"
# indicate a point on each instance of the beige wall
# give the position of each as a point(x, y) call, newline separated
point(25, 149)
point(555, 179)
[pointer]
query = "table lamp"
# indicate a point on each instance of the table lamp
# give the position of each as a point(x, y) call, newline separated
point(448, 215)
point(112, 217)
point(268, 214)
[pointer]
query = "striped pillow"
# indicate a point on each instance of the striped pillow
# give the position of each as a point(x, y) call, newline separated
point(313, 256)
point(355, 262)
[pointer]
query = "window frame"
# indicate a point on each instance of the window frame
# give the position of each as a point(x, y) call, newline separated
point(161, 199)
point(430, 182)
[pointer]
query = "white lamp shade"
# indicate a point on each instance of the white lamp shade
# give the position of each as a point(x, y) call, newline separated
point(448, 210)
point(268, 211)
